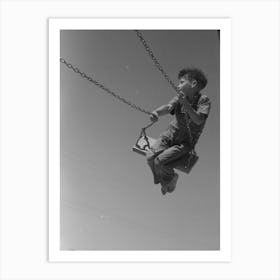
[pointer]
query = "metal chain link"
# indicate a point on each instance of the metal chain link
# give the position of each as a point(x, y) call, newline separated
point(155, 60)
point(98, 84)
point(160, 68)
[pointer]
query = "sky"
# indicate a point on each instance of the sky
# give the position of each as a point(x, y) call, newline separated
point(108, 199)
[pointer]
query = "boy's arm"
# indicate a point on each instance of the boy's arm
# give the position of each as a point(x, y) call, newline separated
point(199, 116)
point(196, 117)
point(161, 111)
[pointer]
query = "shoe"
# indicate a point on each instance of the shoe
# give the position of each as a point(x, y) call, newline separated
point(172, 185)
point(163, 190)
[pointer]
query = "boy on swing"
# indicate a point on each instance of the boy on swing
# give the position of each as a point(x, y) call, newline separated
point(191, 110)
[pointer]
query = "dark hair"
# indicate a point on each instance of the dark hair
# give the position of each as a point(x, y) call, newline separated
point(196, 74)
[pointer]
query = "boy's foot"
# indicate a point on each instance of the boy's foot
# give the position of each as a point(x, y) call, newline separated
point(172, 185)
point(163, 190)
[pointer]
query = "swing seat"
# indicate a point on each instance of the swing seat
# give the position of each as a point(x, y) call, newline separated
point(184, 164)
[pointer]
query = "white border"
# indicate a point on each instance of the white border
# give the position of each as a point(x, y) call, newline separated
point(55, 254)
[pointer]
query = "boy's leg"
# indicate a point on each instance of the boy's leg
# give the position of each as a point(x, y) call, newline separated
point(157, 148)
point(163, 164)
point(150, 160)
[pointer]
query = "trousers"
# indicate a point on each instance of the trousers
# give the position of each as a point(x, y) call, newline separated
point(162, 158)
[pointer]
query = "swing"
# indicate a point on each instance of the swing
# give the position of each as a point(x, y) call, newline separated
point(144, 142)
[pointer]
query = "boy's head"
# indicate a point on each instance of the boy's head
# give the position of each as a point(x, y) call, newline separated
point(195, 76)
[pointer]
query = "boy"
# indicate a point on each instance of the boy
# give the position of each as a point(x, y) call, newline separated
point(191, 110)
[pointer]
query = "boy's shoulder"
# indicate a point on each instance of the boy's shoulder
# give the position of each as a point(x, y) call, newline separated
point(203, 99)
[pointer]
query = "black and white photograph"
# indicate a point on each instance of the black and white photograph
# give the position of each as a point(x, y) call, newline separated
point(139, 139)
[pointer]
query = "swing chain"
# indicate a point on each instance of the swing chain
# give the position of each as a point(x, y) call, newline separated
point(144, 136)
point(154, 59)
point(160, 68)
point(98, 84)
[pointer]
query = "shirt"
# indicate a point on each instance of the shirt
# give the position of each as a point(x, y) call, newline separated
point(178, 132)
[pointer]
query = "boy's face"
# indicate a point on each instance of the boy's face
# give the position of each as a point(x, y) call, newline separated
point(187, 86)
